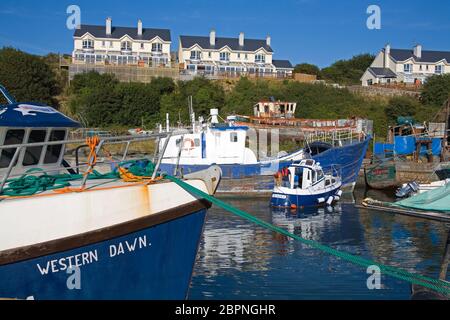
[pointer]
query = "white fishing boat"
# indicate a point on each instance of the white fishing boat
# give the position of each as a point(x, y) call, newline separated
point(230, 147)
point(83, 231)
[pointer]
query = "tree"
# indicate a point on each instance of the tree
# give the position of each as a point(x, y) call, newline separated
point(308, 69)
point(27, 77)
point(348, 71)
point(401, 107)
point(436, 90)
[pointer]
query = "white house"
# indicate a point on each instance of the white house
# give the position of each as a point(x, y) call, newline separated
point(407, 66)
point(232, 56)
point(109, 44)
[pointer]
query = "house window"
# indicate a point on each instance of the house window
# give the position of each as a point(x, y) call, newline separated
point(156, 47)
point(407, 68)
point(103, 44)
point(239, 55)
point(233, 137)
point(427, 68)
point(142, 46)
point(12, 137)
point(209, 54)
point(125, 46)
point(196, 55)
point(246, 56)
point(439, 69)
point(33, 154)
point(110, 44)
point(224, 56)
point(260, 58)
point(53, 152)
point(420, 68)
point(88, 44)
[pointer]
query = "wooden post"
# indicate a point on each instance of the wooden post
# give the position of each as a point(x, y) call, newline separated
point(445, 258)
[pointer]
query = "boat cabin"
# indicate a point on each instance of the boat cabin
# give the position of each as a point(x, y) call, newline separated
point(217, 144)
point(275, 109)
point(305, 174)
point(21, 124)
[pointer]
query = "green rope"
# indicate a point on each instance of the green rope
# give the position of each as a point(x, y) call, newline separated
point(30, 184)
point(434, 284)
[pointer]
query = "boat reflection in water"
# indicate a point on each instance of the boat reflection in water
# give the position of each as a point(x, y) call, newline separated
point(238, 259)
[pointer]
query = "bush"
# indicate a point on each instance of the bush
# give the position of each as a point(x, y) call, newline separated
point(436, 90)
point(27, 77)
point(401, 106)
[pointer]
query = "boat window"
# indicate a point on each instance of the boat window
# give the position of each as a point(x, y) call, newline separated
point(327, 182)
point(12, 137)
point(33, 154)
point(233, 137)
point(319, 175)
point(298, 179)
point(53, 152)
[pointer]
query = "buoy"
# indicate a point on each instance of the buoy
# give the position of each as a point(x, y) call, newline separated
point(339, 193)
point(293, 206)
point(330, 200)
point(336, 198)
point(321, 200)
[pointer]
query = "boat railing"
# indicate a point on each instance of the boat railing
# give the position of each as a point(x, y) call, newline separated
point(126, 140)
point(336, 138)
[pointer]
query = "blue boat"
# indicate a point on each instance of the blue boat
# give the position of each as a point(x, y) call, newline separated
point(304, 184)
point(226, 145)
point(112, 235)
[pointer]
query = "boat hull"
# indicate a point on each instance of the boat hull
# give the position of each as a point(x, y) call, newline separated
point(258, 178)
point(280, 200)
point(148, 258)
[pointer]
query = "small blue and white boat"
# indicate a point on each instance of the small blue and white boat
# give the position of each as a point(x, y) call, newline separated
point(304, 184)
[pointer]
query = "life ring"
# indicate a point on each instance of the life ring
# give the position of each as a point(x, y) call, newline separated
point(188, 144)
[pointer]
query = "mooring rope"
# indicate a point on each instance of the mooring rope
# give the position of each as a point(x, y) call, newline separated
point(434, 284)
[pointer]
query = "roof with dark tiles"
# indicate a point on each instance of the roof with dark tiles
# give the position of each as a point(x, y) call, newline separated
point(119, 32)
point(250, 45)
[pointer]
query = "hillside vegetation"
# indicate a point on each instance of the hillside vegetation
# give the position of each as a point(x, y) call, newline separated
point(101, 101)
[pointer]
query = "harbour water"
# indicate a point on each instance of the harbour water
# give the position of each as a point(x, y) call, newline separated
point(239, 260)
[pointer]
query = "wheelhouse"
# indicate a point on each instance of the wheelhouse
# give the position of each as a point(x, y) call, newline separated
point(29, 135)
point(305, 174)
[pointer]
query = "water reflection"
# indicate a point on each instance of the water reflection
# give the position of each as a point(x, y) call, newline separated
point(238, 259)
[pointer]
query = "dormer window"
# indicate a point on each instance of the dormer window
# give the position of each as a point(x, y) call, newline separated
point(196, 55)
point(156, 47)
point(88, 44)
point(260, 58)
point(224, 56)
point(439, 69)
point(408, 68)
point(125, 46)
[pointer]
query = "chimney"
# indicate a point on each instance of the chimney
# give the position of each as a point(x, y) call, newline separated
point(418, 51)
point(108, 26)
point(212, 37)
point(241, 39)
point(387, 53)
point(268, 40)
point(139, 27)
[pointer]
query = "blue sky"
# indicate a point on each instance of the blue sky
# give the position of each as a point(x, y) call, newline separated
point(314, 31)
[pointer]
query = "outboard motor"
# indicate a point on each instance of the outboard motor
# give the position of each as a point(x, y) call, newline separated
point(407, 190)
